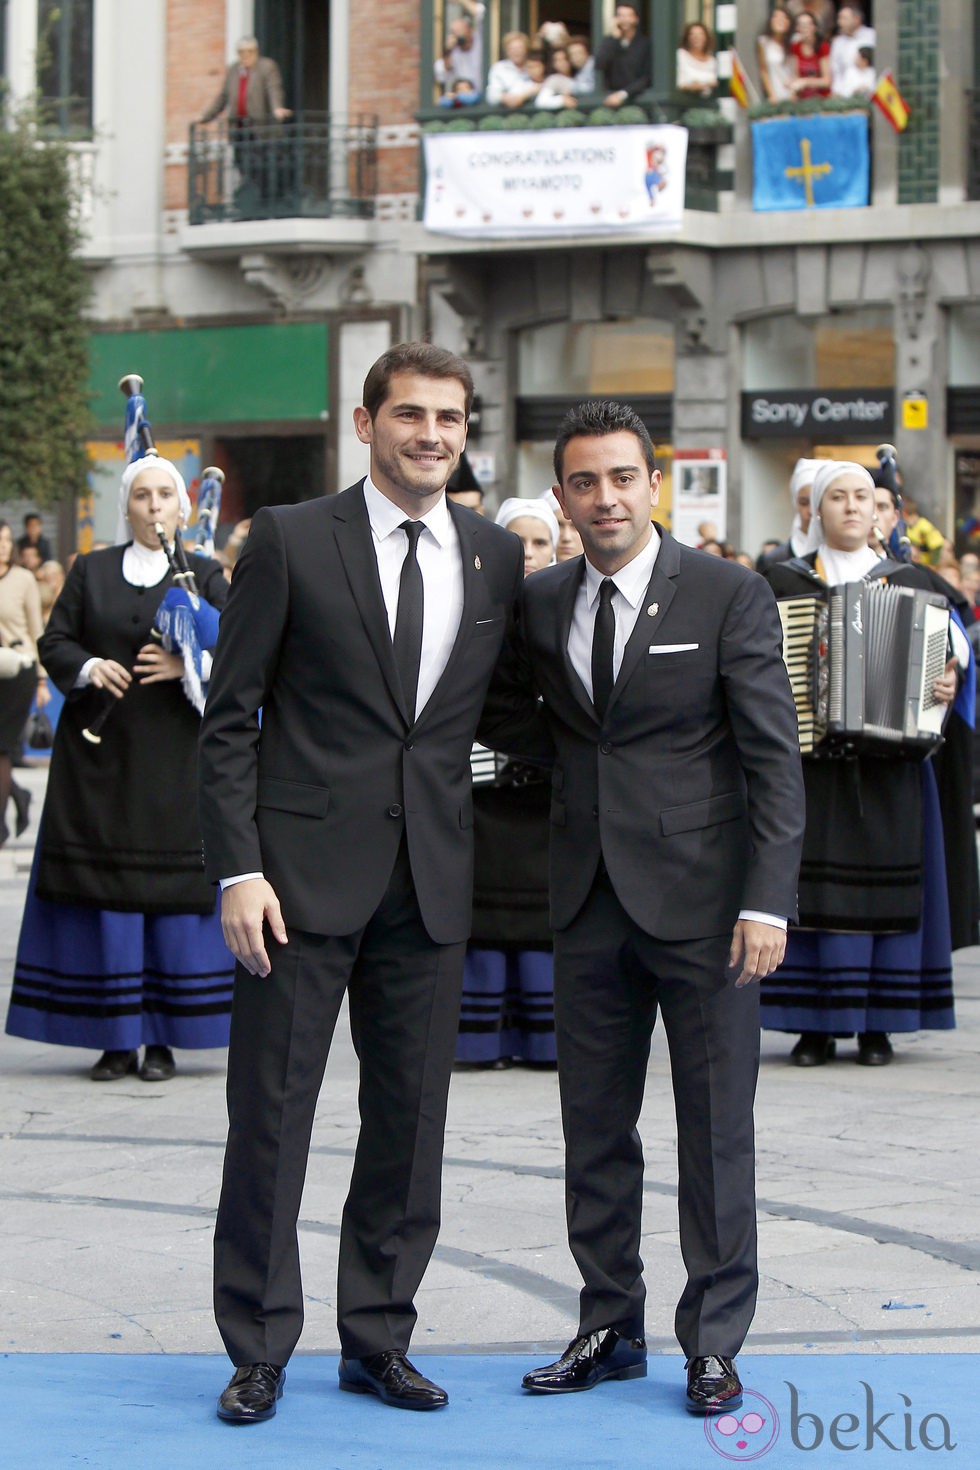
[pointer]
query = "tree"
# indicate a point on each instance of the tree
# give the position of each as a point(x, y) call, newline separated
point(44, 411)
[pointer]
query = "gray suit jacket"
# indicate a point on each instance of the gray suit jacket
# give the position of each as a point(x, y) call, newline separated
point(263, 94)
point(319, 798)
point(691, 788)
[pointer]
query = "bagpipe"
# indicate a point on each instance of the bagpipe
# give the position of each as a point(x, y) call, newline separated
point(185, 623)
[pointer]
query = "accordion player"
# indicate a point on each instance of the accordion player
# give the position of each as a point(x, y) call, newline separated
point(862, 665)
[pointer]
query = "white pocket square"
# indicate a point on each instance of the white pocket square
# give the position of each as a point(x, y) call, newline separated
point(673, 647)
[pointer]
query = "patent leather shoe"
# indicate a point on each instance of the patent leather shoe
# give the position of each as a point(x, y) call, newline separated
point(588, 1360)
point(252, 1393)
point(813, 1049)
point(713, 1385)
point(158, 1064)
point(874, 1049)
point(393, 1379)
point(112, 1065)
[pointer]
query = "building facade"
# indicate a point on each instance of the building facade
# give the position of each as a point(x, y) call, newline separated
point(252, 275)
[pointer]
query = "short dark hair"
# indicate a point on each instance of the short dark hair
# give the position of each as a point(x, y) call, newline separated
point(414, 357)
point(594, 419)
point(31, 515)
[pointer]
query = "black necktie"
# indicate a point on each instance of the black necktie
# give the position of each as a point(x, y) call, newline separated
point(603, 638)
point(407, 639)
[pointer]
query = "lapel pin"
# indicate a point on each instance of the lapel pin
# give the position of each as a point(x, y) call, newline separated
point(653, 609)
point(478, 563)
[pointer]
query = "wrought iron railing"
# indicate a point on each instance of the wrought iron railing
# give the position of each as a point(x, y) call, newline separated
point(311, 166)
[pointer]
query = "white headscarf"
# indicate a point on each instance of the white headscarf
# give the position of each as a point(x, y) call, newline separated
point(803, 473)
point(841, 566)
point(539, 508)
point(124, 531)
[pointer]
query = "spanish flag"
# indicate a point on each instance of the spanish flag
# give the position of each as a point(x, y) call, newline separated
point(891, 102)
point(738, 83)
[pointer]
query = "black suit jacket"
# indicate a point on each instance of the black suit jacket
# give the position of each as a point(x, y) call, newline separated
point(691, 788)
point(319, 798)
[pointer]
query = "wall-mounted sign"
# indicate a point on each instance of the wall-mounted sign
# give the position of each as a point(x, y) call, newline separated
point(807, 413)
point(915, 411)
point(700, 486)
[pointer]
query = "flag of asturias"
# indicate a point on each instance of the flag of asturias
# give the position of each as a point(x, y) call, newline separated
point(891, 102)
point(816, 162)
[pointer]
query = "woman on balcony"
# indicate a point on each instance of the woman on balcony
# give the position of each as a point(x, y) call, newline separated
point(508, 82)
point(697, 68)
point(776, 66)
point(811, 60)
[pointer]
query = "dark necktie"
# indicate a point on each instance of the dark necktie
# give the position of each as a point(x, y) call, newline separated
point(407, 639)
point(603, 639)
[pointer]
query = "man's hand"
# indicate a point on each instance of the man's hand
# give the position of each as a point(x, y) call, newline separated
point(759, 948)
point(616, 99)
point(244, 906)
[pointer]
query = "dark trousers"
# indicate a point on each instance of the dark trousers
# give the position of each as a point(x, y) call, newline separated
point(404, 994)
point(610, 980)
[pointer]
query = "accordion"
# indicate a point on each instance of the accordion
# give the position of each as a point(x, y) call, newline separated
point(862, 665)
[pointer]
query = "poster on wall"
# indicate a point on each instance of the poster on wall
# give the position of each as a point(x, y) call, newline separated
point(556, 181)
point(700, 494)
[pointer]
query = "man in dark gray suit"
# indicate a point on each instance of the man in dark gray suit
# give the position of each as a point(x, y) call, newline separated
point(677, 820)
point(366, 627)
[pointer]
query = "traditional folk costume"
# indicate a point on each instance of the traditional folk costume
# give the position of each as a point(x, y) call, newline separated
point(872, 952)
point(121, 944)
point(508, 1005)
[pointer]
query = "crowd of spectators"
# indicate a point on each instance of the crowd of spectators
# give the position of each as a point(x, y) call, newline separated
point(811, 50)
point(807, 48)
point(551, 70)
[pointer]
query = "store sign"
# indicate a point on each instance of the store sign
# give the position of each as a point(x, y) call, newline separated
point(851, 413)
point(555, 181)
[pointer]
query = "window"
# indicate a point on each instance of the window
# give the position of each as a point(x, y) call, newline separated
point(64, 64)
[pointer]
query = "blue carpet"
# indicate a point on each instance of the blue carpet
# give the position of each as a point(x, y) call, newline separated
point(156, 1412)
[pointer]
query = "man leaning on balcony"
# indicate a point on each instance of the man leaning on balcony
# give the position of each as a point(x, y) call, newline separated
point(624, 59)
point(252, 89)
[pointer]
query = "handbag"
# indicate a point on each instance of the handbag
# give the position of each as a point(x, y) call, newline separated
point(39, 731)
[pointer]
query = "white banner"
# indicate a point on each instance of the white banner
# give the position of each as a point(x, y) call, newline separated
point(555, 181)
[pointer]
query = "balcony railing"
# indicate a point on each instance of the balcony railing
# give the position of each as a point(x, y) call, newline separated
point(973, 145)
point(313, 166)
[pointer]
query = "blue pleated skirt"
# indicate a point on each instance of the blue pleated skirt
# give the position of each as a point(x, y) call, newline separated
point(845, 983)
point(508, 1007)
point(105, 980)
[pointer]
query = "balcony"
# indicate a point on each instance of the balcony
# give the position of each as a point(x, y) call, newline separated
point(312, 167)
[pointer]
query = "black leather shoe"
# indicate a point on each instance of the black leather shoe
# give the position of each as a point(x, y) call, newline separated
point(252, 1393)
point(112, 1065)
point(393, 1378)
point(813, 1049)
point(874, 1049)
point(158, 1064)
point(22, 805)
point(713, 1385)
point(588, 1360)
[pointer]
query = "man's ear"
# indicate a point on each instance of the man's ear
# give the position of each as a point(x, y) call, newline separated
point(363, 425)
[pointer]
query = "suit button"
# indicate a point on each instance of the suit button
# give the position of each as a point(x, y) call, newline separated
point(595, 811)
point(605, 747)
point(409, 744)
point(395, 810)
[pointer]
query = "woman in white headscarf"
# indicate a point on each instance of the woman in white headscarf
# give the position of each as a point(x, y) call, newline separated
point(508, 1009)
point(872, 953)
point(800, 486)
point(121, 945)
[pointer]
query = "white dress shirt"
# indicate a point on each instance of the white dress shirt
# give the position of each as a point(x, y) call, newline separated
point(441, 564)
point(631, 582)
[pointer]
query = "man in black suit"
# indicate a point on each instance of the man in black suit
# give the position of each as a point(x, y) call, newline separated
point(366, 627)
point(677, 819)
